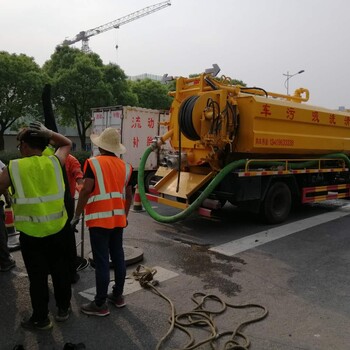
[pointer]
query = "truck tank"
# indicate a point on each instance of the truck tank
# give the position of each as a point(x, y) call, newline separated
point(256, 149)
point(215, 122)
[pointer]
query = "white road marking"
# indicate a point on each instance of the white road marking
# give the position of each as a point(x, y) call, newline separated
point(131, 285)
point(257, 239)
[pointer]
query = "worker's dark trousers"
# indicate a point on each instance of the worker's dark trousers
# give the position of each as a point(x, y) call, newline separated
point(72, 251)
point(44, 256)
point(104, 243)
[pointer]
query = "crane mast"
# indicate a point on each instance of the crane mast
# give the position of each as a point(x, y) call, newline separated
point(84, 36)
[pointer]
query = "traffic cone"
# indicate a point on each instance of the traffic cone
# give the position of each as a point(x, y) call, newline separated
point(137, 205)
point(10, 226)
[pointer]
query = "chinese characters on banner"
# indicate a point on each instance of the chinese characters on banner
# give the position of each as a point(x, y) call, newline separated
point(149, 124)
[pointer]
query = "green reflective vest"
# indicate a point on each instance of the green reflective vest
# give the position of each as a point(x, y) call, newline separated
point(38, 195)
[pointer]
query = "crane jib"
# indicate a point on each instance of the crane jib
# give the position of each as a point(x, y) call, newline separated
point(84, 36)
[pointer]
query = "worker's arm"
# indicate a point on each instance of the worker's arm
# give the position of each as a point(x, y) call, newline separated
point(63, 144)
point(77, 173)
point(7, 198)
point(5, 182)
point(84, 193)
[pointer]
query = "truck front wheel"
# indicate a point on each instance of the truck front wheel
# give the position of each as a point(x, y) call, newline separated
point(277, 204)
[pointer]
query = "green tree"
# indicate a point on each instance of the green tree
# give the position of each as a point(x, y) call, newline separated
point(78, 90)
point(21, 81)
point(238, 82)
point(77, 86)
point(80, 81)
point(151, 94)
point(64, 58)
point(120, 87)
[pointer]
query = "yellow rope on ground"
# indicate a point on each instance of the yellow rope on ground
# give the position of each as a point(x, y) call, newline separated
point(200, 316)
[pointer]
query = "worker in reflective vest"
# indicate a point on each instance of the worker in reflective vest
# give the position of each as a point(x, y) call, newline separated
point(106, 204)
point(38, 201)
point(106, 196)
point(73, 177)
point(37, 187)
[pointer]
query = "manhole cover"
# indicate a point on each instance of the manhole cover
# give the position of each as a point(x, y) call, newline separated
point(133, 255)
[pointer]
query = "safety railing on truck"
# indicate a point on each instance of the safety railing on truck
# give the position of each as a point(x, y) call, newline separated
point(268, 167)
point(265, 167)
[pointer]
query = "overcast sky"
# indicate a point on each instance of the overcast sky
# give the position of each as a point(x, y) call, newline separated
point(256, 41)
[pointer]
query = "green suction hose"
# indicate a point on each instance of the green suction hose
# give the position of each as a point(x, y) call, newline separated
point(311, 163)
point(210, 188)
point(195, 205)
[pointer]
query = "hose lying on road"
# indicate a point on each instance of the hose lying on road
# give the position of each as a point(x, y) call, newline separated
point(201, 317)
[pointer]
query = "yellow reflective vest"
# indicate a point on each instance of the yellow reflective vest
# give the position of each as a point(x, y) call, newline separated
point(38, 195)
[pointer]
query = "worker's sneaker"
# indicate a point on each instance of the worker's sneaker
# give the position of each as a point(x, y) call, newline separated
point(94, 310)
point(62, 314)
point(8, 265)
point(81, 263)
point(37, 325)
point(117, 301)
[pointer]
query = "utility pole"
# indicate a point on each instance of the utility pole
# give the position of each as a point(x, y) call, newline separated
point(286, 83)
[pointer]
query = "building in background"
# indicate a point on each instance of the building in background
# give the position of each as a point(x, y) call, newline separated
point(70, 132)
point(145, 76)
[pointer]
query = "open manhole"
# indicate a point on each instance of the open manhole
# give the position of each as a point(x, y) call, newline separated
point(133, 255)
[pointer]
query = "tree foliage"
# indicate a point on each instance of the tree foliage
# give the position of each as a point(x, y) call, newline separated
point(77, 86)
point(21, 81)
point(80, 82)
point(238, 82)
point(151, 94)
point(119, 86)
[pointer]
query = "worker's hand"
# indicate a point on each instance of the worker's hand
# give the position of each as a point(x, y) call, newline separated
point(8, 199)
point(74, 221)
point(38, 129)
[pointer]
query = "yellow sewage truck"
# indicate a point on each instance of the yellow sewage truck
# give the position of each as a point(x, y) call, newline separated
point(259, 150)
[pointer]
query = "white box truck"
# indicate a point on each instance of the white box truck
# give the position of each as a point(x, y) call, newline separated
point(138, 127)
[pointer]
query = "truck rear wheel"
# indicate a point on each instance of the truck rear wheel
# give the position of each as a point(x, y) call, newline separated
point(277, 203)
point(150, 180)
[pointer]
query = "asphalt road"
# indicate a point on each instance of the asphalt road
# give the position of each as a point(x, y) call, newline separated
point(300, 275)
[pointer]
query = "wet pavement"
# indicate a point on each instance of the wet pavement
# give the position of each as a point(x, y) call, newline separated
point(303, 281)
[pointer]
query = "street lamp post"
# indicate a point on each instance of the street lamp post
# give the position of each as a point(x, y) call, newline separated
point(286, 83)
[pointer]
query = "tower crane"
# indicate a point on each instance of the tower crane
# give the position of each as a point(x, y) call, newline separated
point(84, 36)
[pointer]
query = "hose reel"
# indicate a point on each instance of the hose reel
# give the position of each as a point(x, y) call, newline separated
point(185, 118)
point(202, 118)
